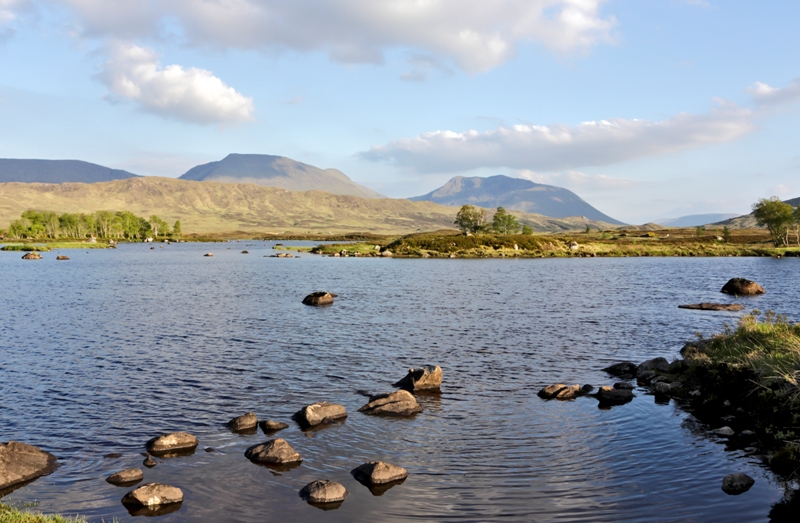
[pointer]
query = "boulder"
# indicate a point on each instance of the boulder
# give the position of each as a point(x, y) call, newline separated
point(625, 368)
point(245, 252)
point(32, 256)
point(573, 246)
point(319, 413)
point(247, 421)
point(428, 377)
point(655, 365)
point(152, 495)
point(126, 478)
point(62, 257)
point(733, 307)
point(172, 442)
point(735, 484)
point(319, 298)
point(564, 392)
point(623, 385)
point(646, 376)
point(378, 473)
point(275, 451)
point(324, 491)
point(269, 426)
point(20, 462)
point(724, 431)
point(662, 388)
point(742, 287)
point(612, 396)
point(398, 403)
point(551, 391)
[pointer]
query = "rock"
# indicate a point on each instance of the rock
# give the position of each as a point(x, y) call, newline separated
point(624, 368)
point(656, 365)
point(325, 491)
point(610, 395)
point(569, 393)
point(126, 478)
point(735, 484)
point(208, 254)
point(662, 388)
point(172, 442)
point(275, 451)
point(112, 455)
point(586, 389)
point(152, 495)
point(551, 391)
point(573, 246)
point(387, 253)
point(318, 413)
point(695, 393)
point(378, 473)
point(742, 287)
point(678, 366)
point(646, 376)
point(623, 385)
point(398, 403)
point(269, 426)
point(319, 298)
point(747, 435)
point(724, 431)
point(428, 377)
point(244, 422)
point(149, 462)
point(713, 306)
point(32, 256)
point(20, 462)
point(62, 257)
point(245, 252)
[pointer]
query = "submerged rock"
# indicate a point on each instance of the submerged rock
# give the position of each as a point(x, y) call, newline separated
point(398, 403)
point(735, 484)
point(713, 306)
point(428, 377)
point(247, 421)
point(20, 462)
point(269, 426)
point(318, 413)
point(324, 491)
point(623, 385)
point(275, 451)
point(742, 287)
point(125, 478)
point(378, 473)
point(172, 442)
point(152, 495)
point(319, 298)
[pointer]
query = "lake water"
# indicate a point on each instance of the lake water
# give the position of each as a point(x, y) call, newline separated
point(102, 352)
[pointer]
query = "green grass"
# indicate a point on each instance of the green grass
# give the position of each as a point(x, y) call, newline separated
point(25, 247)
point(14, 514)
point(50, 246)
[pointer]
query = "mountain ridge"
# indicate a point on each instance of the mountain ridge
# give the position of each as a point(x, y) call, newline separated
point(58, 171)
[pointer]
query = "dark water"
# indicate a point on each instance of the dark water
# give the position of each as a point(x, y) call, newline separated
point(102, 352)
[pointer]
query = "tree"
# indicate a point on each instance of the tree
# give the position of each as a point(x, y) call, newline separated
point(588, 230)
point(526, 229)
point(176, 229)
point(797, 224)
point(776, 216)
point(157, 225)
point(726, 234)
point(504, 223)
point(104, 219)
point(470, 218)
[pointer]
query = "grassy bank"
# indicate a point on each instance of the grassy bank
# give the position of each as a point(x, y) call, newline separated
point(12, 514)
point(46, 247)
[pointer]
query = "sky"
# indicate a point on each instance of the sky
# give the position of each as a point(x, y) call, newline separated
point(647, 109)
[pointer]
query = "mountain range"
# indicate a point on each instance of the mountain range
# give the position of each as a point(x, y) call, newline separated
point(57, 171)
point(695, 220)
point(514, 194)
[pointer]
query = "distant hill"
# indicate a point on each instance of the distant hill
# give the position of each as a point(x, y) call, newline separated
point(57, 171)
point(695, 220)
point(748, 221)
point(516, 194)
point(213, 207)
point(277, 171)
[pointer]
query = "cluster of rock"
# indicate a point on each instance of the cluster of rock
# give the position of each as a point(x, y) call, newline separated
point(281, 255)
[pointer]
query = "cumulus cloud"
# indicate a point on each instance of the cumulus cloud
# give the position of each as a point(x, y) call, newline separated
point(766, 96)
point(475, 35)
point(559, 147)
point(188, 94)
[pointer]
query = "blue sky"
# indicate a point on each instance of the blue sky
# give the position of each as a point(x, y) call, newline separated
point(647, 109)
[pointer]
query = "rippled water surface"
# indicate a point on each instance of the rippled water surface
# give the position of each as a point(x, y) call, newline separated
point(104, 351)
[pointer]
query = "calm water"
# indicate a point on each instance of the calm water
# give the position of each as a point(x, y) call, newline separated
point(102, 352)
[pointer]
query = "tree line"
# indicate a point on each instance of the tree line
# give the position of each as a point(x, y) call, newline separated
point(101, 224)
point(779, 218)
point(471, 219)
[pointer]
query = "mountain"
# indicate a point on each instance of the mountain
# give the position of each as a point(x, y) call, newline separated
point(277, 171)
point(213, 207)
point(57, 171)
point(748, 221)
point(516, 194)
point(695, 220)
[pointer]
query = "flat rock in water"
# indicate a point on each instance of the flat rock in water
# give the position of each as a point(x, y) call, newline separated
point(62, 257)
point(152, 495)
point(126, 477)
point(244, 422)
point(32, 256)
point(174, 441)
point(318, 413)
point(398, 403)
point(324, 491)
point(319, 298)
point(428, 377)
point(272, 426)
point(610, 395)
point(713, 306)
point(561, 391)
point(379, 473)
point(735, 484)
point(742, 287)
point(275, 451)
point(20, 462)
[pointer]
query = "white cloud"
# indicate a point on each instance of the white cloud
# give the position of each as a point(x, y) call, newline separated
point(560, 147)
point(187, 94)
point(9, 14)
point(579, 181)
point(475, 35)
point(764, 95)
